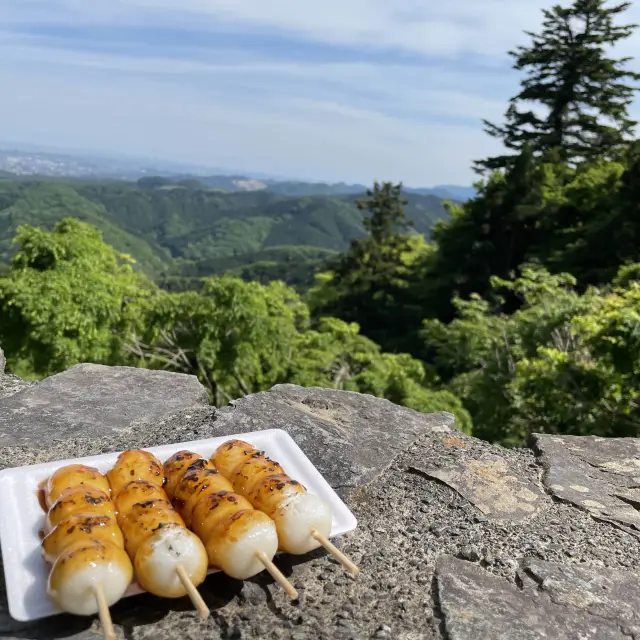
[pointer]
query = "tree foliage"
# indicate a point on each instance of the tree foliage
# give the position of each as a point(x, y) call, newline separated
point(521, 315)
point(235, 336)
point(65, 299)
point(565, 362)
point(584, 93)
point(369, 283)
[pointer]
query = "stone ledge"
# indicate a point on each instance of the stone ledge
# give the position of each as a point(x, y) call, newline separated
point(457, 538)
point(93, 401)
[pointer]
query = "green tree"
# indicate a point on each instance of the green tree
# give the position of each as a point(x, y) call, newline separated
point(67, 299)
point(236, 336)
point(584, 93)
point(240, 338)
point(368, 284)
point(491, 235)
point(565, 362)
point(598, 228)
point(336, 355)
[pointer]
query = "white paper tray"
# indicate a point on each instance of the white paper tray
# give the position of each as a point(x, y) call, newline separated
point(21, 516)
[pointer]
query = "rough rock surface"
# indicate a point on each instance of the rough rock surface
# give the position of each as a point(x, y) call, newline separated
point(599, 475)
point(489, 486)
point(476, 604)
point(350, 436)
point(94, 400)
point(456, 538)
point(605, 593)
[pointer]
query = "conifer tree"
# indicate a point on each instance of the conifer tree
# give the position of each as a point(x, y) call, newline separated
point(387, 228)
point(369, 280)
point(585, 93)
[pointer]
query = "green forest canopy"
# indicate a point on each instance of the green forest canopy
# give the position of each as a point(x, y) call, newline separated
point(182, 231)
point(519, 313)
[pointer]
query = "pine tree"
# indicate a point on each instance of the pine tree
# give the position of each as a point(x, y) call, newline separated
point(490, 235)
point(369, 279)
point(586, 94)
point(387, 227)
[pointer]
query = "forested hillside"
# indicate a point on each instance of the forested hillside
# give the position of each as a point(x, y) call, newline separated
point(182, 228)
point(519, 313)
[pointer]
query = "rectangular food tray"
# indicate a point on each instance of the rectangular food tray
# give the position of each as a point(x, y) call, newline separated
point(21, 516)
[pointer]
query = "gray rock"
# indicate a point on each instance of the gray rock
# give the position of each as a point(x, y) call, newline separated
point(489, 485)
point(371, 452)
point(469, 553)
point(606, 593)
point(9, 384)
point(476, 604)
point(94, 400)
point(350, 436)
point(598, 475)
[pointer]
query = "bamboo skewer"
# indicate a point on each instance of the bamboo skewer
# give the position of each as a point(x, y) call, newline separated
point(277, 575)
point(336, 553)
point(194, 594)
point(105, 617)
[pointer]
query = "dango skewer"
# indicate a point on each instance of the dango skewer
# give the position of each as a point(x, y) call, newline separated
point(84, 545)
point(240, 540)
point(303, 520)
point(169, 560)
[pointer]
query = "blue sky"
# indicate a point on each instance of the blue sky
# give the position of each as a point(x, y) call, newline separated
point(351, 90)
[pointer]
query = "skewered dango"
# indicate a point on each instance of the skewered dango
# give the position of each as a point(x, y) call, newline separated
point(80, 499)
point(135, 464)
point(170, 561)
point(90, 569)
point(238, 539)
point(303, 520)
point(73, 476)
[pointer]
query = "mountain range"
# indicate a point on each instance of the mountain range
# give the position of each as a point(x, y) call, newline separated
point(33, 162)
point(188, 228)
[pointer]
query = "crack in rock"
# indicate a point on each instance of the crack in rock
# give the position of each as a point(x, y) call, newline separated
point(610, 494)
point(477, 604)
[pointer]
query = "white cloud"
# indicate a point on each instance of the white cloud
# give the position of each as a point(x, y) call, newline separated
point(418, 119)
point(486, 28)
point(283, 134)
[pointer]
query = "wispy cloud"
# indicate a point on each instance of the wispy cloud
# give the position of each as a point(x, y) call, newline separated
point(335, 90)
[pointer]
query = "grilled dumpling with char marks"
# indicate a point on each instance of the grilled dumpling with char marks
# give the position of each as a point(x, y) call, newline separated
point(249, 473)
point(228, 456)
point(212, 509)
point(134, 493)
point(297, 514)
point(81, 567)
point(84, 544)
point(80, 527)
point(135, 464)
point(73, 476)
point(272, 491)
point(196, 484)
point(178, 464)
point(236, 540)
point(156, 538)
point(144, 519)
point(81, 499)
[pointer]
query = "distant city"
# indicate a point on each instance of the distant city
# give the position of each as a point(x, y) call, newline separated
point(31, 162)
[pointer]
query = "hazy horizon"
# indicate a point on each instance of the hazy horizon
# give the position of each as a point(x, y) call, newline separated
point(177, 168)
point(347, 92)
